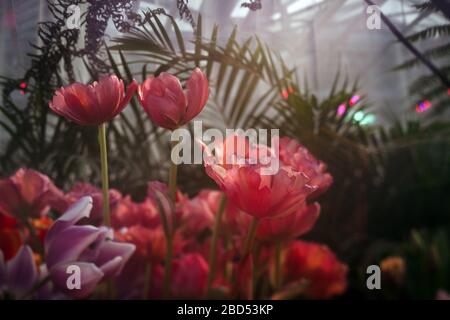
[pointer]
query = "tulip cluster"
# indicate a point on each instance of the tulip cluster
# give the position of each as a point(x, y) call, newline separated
point(237, 242)
point(132, 252)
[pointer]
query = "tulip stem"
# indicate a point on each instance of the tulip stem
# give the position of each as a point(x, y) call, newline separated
point(215, 237)
point(169, 234)
point(173, 176)
point(167, 268)
point(250, 237)
point(277, 265)
point(104, 166)
point(147, 279)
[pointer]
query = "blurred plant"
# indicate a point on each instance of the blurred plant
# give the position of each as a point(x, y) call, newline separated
point(431, 86)
point(428, 263)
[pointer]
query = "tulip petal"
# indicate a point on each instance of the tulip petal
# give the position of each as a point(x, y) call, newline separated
point(10, 200)
point(129, 94)
point(90, 276)
point(75, 213)
point(109, 252)
point(21, 271)
point(197, 94)
point(109, 93)
point(72, 241)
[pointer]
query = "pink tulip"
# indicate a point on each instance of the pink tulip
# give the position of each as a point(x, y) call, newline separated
point(27, 194)
point(298, 157)
point(92, 104)
point(166, 103)
point(249, 189)
point(197, 214)
point(288, 227)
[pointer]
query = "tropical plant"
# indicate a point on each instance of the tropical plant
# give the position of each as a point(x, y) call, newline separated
point(431, 86)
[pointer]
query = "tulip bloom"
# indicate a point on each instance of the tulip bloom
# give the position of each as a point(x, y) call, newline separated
point(127, 213)
point(165, 102)
point(85, 189)
point(18, 275)
point(27, 194)
point(89, 248)
point(92, 104)
point(298, 157)
point(288, 227)
point(317, 264)
point(190, 275)
point(249, 188)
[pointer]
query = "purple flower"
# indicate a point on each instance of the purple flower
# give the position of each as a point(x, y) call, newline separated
point(85, 248)
point(18, 275)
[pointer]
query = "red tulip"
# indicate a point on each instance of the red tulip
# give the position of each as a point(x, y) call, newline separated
point(127, 213)
point(166, 103)
point(92, 104)
point(316, 263)
point(190, 275)
point(10, 236)
point(298, 157)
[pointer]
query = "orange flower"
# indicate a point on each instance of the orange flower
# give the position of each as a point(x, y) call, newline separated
point(394, 268)
point(317, 264)
point(41, 226)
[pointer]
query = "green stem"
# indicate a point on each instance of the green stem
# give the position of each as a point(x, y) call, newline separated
point(277, 265)
point(147, 279)
point(250, 237)
point(215, 237)
point(167, 268)
point(169, 234)
point(104, 165)
point(248, 248)
point(173, 177)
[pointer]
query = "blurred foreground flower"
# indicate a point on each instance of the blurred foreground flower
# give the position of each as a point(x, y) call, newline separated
point(319, 266)
point(442, 295)
point(19, 275)
point(92, 104)
point(166, 103)
point(394, 269)
point(10, 236)
point(27, 194)
point(89, 248)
